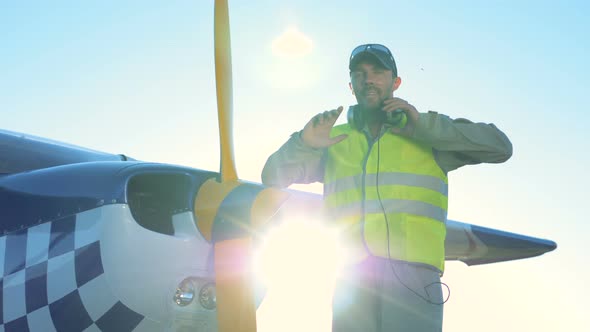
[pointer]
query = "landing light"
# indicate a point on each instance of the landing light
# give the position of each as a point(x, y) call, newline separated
point(186, 291)
point(208, 297)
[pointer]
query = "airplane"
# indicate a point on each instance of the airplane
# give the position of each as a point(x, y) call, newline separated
point(94, 241)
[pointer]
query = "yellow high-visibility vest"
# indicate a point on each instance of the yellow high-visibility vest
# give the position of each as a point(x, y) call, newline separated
point(403, 217)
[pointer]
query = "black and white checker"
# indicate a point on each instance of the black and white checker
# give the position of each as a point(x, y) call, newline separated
point(52, 279)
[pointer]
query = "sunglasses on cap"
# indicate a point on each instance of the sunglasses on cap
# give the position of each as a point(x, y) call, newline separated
point(381, 53)
point(370, 47)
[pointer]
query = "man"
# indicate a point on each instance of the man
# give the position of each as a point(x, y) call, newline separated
point(385, 185)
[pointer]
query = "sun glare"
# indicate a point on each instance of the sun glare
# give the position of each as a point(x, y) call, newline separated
point(298, 262)
point(292, 66)
point(292, 43)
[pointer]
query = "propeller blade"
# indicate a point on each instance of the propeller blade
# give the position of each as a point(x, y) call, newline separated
point(223, 79)
point(236, 309)
point(228, 212)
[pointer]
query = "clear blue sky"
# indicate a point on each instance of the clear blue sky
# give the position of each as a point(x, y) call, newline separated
point(137, 77)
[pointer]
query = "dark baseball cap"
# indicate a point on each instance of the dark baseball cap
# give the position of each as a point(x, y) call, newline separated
point(373, 51)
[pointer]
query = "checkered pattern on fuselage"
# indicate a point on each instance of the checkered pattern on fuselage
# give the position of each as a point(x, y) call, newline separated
point(52, 279)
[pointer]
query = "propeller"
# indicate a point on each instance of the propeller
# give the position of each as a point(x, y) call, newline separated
point(228, 212)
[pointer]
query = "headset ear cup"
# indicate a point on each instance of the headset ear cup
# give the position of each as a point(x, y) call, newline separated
point(350, 117)
point(355, 118)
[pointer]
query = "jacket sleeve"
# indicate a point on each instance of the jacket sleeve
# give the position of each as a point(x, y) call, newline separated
point(294, 162)
point(461, 142)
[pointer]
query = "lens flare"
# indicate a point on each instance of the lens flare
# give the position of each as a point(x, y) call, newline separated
point(298, 262)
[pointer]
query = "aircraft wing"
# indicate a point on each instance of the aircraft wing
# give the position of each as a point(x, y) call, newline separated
point(23, 152)
point(474, 245)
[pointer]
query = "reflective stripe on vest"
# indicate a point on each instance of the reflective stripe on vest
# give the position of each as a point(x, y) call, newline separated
point(402, 179)
point(392, 206)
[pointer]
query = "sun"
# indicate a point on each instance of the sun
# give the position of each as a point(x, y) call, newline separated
point(292, 66)
point(292, 43)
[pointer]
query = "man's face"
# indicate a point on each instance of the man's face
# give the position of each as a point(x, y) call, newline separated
point(371, 84)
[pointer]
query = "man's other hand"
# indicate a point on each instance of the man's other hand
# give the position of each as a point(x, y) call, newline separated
point(412, 115)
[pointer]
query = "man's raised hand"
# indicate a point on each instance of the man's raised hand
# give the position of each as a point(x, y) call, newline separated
point(316, 133)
